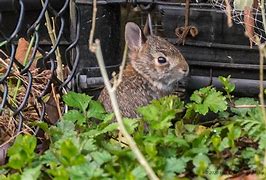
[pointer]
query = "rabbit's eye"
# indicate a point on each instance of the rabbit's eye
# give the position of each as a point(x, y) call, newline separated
point(161, 60)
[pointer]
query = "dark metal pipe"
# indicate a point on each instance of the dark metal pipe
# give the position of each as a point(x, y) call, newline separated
point(244, 87)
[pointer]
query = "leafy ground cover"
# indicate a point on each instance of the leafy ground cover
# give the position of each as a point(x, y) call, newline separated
point(210, 137)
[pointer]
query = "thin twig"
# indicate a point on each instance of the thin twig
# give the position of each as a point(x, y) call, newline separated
point(248, 106)
point(94, 12)
point(3, 62)
point(112, 95)
point(57, 102)
point(121, 68)
point(229, 15)
point(52, 35)
point(262, 7)
point(59, 69)
point(25, 60)
point(262, 54)
point(10, 139)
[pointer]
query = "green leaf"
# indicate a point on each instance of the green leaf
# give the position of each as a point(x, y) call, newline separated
point(262, 141)
point(76, 100)
point(215, 101)
point(86, 171)
point(101, 157)
point(248, 153)
point(14, 176)
point(42, 125)
point(150, 149)
point(216, 142)
point(175, 165)
point(201, 108)
point(89, 145)
point(22, 151)
point(206, 99)
point(234, 132)
point(96, 132)
point(59, 173)
point(62, 131)
point(96, 110)
point(94, 171)
point(197, 97)
point(201, 163)
point(244, 101)
point(213, 173)
point(75, 116)
point(160, 112)
point(224, 144)
point(31, 173)
point(69, 154)
point(110, 128)
point(233, 163)
point(228, 86)
point(139, 173)
point(130, 124)
point(179, 128)
point(190, 127)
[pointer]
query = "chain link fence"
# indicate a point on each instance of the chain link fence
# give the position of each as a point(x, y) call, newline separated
point(35, 36)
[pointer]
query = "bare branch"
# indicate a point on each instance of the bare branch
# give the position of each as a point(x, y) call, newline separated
point(262, 56)
point(228, 12)
point(247, 106)
point(94, 12)
point(121, 68)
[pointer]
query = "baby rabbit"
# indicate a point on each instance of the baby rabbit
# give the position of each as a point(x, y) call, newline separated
point(155, 67)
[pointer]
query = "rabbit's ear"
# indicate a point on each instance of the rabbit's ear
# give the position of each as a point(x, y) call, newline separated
point(133, 36)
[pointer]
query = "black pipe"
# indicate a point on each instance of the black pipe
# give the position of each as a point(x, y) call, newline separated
point(243, 87)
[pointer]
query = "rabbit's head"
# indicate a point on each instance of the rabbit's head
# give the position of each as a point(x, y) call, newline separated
point(154, 58)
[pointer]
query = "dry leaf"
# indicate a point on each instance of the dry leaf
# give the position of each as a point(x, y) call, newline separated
point(22, 51)
point(51, 110)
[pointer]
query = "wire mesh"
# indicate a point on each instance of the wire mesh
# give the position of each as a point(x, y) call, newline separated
point(249, 16)
point(24, 86)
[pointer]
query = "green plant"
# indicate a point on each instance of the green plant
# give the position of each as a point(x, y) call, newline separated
point(85, 144)
point(228, 86)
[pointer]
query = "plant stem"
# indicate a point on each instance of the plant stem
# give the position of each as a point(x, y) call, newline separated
point(228, 13)
point(112, 95)
point(262, 7)
point(262, 55)
point(3, 43)
point(24, 63)
point(121, 68)
point(51, 31)
point(94, 12)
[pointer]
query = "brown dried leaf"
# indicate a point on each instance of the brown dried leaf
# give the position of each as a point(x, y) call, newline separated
point(51, 110)
point(22, 51)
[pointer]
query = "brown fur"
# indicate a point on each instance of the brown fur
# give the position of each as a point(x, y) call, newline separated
point(145, 79)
